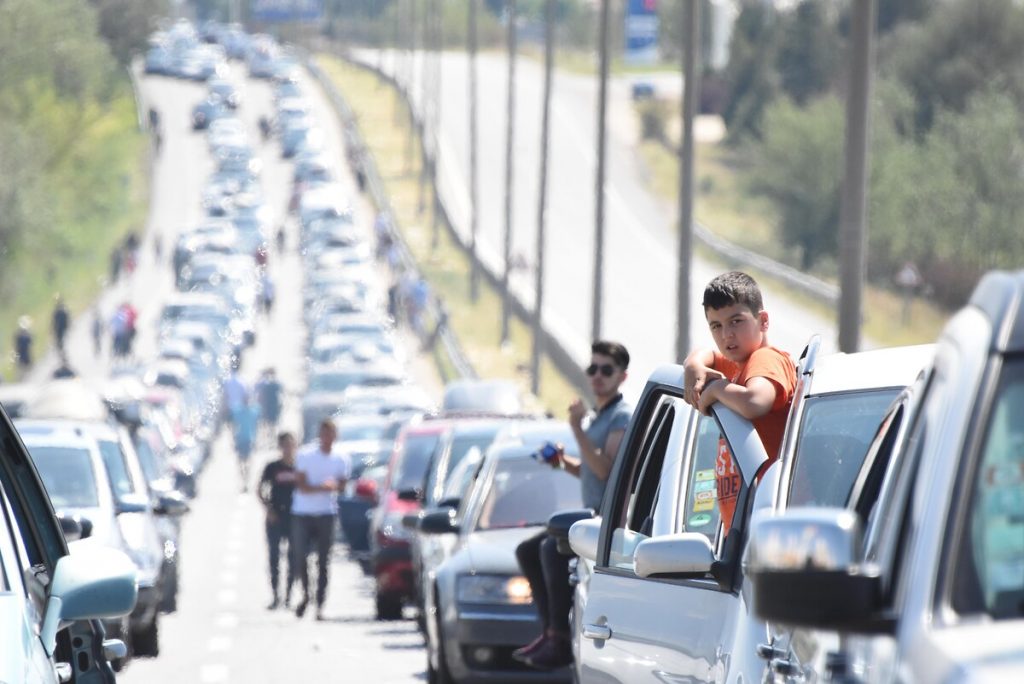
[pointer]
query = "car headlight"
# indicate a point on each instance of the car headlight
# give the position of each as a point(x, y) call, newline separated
point(494, 589)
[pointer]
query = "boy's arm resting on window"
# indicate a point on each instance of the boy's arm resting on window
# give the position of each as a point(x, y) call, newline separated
point(751, 401)
point(698, 370)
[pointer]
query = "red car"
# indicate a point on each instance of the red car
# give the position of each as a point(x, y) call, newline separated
point(390, 542)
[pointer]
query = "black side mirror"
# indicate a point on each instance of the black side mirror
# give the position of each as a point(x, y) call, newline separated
point(171, 503)
point(414, 494)
point(559, 524)
point(75, 526)
point(449, 502)
point(439, 521)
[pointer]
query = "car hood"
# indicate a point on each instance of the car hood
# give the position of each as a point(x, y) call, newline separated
point(494, 551)
point(315, 399)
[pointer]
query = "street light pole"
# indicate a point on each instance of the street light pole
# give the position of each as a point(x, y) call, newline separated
point(506, 297)
point(853, 207)
point(691, 92)
point(474, 217)
point(542, 198)
point(602, 113)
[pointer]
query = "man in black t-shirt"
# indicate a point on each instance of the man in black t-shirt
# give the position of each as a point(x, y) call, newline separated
point(277, 483)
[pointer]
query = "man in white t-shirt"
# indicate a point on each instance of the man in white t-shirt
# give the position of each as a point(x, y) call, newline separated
point(319, 476)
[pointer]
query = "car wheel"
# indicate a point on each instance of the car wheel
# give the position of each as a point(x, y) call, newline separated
point(146, 641)
point(389, 607)
point(440, 675)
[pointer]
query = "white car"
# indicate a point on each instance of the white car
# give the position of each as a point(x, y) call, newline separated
point(662, 594)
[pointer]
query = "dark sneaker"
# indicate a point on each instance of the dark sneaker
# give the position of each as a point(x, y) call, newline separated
point(530, 648)
point(319, 613)
point(553, 654)
point(300, 609)
point(273, 604)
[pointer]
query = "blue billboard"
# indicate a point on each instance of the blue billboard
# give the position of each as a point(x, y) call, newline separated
point(642, 31)
point(269, 11)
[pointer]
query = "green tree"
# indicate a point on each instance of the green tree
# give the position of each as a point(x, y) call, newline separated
point(806, 59)
point(751, 86)
point(126, 24)
point(797, 165)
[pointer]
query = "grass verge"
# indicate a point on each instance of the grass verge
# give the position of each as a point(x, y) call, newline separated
point(100, 192)
point(723, 204)
point(384, 123)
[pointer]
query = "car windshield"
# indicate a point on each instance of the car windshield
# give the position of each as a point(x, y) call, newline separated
point(68, 476)
point(834, 437)
point(524, 493)
point(411, 468)
point(339, 382)
point(355, 432)
point(989, 574)
point(462, 445)
point(117, 469)
point(147, 459)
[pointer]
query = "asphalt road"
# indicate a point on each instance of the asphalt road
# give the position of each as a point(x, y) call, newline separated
point(640, 238)
point(222, 631)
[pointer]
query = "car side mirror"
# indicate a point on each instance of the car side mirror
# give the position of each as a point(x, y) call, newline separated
point(449, 502)
point(560, 523)
point(583, 538)
point(409, 495)
point(686, 553)
point(132, 503)
point(411, 521)
point(75, 526)
point(95, 583)
point(439, 522)
point(172, 504)
point(805, 570)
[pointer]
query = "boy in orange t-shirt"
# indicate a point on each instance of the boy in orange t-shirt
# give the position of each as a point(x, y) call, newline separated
point(746, 374)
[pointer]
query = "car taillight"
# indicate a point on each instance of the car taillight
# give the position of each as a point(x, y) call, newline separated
point(366, 489)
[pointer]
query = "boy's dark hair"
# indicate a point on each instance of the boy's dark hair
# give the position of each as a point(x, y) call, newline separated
point(282, 437)
point(734, 287)
point(613, 349)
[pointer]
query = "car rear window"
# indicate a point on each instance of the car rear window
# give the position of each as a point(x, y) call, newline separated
point(68, 476)
point(411, 468)
point(117, 469)
point(526, 493)
point(835, 433)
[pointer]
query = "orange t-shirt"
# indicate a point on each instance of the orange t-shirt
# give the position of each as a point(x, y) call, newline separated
point(775, 366)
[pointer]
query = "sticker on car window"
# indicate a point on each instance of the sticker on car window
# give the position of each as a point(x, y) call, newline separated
point(699, 520)
point(705, 475)
point(705, 486)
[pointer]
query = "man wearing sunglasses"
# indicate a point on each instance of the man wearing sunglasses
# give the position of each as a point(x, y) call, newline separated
point(598, 444)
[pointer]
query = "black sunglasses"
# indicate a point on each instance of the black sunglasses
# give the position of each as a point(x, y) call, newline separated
point(606, 369)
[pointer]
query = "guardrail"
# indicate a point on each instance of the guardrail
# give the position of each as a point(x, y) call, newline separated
point(381, 200)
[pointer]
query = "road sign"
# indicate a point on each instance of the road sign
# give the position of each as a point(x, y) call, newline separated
point(269, 11)
point(642, 31)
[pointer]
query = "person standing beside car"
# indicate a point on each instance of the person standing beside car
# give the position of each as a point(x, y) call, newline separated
point(275, 490)
point(320, 475)
point(545, 568)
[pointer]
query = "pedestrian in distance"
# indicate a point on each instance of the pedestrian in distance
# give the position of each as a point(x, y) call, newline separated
point(320, 475)
point(23, 347)
point(60, 322)
point(97, 332)
point(268, 393)
point(598, 435)
point(245, 423)
point(746, 373)
point(275, 489)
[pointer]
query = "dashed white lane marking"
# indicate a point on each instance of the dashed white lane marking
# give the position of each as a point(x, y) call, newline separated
point(218, 643)
point(227, 620)
point(212, 674)
point(227, 596)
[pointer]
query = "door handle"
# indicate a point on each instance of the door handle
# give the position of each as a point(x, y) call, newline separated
point(769, 652)
point(600, 632)
point(784, 667)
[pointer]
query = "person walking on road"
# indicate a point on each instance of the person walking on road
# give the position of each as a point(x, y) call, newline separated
point(268, 394)
point(97, 332)
point(275, 489)
point(61, 320)
point(319, 475)
point(23, 346)
point(245, 422)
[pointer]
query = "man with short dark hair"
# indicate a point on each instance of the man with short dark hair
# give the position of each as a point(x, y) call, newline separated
point(319, 475)
point(545, 568)
point(275, 490)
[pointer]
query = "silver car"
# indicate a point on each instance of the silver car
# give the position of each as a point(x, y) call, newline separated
point(921, 578)
point(661, 593)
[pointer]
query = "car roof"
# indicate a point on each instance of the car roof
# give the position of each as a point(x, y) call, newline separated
point(875, 369)
point(56, 438)
point(66, 399)
point(82, 428)
point(998, 296)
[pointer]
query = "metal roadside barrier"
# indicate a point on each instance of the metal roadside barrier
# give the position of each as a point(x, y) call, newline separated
point(379, 196)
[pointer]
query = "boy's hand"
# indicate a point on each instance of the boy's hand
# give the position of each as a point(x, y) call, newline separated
point(710, 395)
point(696, 376)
